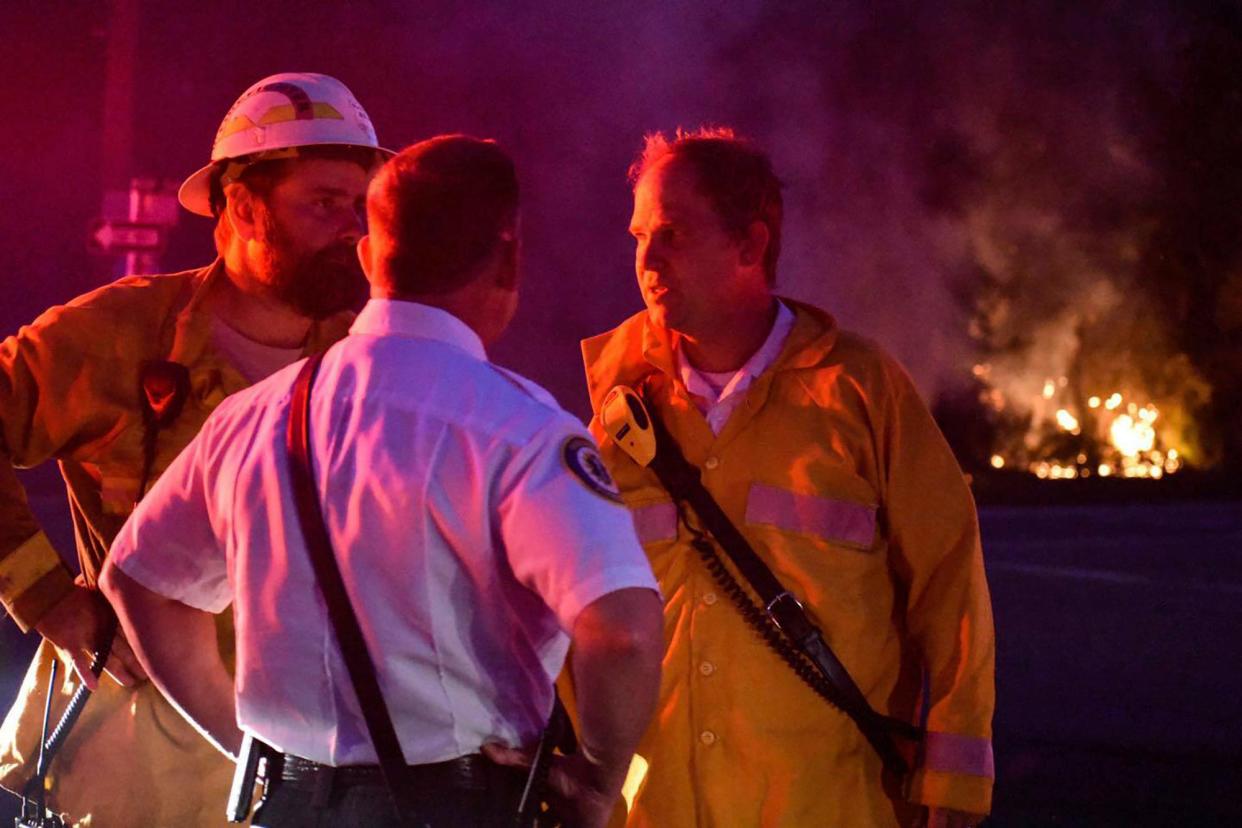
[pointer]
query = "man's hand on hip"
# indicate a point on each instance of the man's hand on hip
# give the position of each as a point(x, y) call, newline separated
point(75, 626)
point(582, 794)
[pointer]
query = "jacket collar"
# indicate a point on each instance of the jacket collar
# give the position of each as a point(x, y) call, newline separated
point(636, 348)
point(191, 335)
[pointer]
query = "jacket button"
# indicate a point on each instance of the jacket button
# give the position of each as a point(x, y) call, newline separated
point(709, 598)
point(711, 463)
point(707, 668)
point(707, 737)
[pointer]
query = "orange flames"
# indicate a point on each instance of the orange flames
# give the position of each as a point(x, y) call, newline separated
point(1110, 434)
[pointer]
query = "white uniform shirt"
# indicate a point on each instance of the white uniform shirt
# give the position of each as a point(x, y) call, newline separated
point(471, 516)
point(719, 394)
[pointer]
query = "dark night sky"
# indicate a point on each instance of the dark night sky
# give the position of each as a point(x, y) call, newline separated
point(1081, 161)
point(918, 142)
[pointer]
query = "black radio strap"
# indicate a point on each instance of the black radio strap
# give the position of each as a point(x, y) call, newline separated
point(684, 481)
point(340, 611)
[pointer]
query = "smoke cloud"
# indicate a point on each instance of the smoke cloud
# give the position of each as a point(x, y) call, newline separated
point(965, 183)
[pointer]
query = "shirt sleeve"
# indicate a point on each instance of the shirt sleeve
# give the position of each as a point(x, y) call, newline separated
point(168, 544)
point(937, 553)
point(56, 395)
point(565, 532)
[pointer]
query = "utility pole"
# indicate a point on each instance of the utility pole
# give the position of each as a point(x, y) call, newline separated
point(137, 212)
point(118, 104)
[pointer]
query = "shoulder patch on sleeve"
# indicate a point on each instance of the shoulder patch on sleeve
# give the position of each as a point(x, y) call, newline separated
point(582, 458)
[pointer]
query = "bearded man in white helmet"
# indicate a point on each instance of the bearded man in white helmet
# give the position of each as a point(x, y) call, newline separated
point(116, 382)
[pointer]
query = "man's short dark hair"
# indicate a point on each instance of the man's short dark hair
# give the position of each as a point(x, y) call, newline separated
point(444, 204)
point(732, 172)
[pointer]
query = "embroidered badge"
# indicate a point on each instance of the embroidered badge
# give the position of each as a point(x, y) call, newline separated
point(584, 461)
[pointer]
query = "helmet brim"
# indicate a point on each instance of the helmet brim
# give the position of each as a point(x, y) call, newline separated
point(195, 192)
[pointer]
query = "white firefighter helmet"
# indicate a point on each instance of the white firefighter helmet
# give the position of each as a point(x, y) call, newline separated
point(275, 117)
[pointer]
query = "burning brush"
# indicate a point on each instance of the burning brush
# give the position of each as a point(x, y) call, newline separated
point(1057, 440)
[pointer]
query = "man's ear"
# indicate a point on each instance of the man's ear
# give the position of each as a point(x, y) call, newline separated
point(509, 272)
point(755, 244)
point(241, 210)
point(364, 255)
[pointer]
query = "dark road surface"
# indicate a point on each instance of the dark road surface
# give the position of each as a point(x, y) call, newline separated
point(1119, 672)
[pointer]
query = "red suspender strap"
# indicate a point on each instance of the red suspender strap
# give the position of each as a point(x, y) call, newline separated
point(328, 575)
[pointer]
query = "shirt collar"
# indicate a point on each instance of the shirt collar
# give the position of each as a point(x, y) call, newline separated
point(759, 361)
point(393, 317)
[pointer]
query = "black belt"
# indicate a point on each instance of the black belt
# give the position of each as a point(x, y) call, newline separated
point(465, 773)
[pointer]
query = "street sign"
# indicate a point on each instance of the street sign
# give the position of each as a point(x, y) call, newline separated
point(110, 237)
point(147, 201)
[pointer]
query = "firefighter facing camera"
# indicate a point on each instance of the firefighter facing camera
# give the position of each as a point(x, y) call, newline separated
point(115, 383)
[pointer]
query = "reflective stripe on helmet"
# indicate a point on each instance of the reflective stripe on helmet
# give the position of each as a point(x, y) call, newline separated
point(279, 113)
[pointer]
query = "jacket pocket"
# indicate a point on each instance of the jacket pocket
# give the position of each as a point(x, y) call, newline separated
point(655, 522)
point(842, 522)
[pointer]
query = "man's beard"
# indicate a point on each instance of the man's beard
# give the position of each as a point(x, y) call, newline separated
point(316, 284)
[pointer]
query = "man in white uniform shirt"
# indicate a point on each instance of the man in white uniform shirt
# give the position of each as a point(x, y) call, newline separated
point(478, 536)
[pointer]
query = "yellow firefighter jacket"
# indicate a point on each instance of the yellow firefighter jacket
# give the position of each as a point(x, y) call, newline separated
point(835, 472)
point(70, 386)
